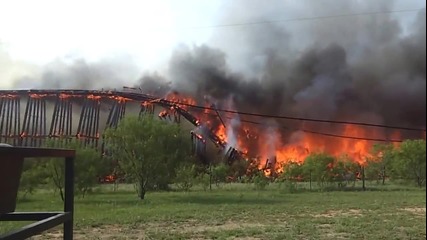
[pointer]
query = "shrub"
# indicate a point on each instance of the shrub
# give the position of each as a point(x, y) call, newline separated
point(220, 173)
point(185, 177)
point(205, 180)
point(260, 181)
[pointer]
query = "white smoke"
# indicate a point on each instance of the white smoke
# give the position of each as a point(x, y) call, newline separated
point(232, 131)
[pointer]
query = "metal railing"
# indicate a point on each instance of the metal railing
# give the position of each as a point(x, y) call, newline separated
point(44, 220)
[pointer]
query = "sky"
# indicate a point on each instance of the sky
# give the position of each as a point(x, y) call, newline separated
point(43, 30)
point(35, 33)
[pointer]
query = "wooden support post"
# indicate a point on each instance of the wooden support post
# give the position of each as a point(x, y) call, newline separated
point(363, 179)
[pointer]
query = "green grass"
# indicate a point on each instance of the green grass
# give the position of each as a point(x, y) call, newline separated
point(238, 211)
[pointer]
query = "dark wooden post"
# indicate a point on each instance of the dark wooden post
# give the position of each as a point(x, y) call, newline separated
point(363, 178)
point(69, 197)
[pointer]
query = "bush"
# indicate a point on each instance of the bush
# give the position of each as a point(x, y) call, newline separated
point(220, 173)
point(319, 168)
point(185, 177)
point(290, 186)
point(33, 175)
point(148, 151)
point(292, 171)
point(260, 181)
point(205, 180)
point(88, 165)
point(409, 161)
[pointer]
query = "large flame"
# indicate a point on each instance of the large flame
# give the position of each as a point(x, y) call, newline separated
point(267, 143)
point(181, 100)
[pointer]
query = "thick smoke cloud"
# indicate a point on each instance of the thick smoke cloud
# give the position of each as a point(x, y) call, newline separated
point(81, 74)
point(368, 68)
point(12, 69)
point(361, 68)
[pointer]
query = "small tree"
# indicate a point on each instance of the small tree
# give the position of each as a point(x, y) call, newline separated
point(260, 181)
point(379, 164)
point(220, 173)
point(148, 150)
point(33, 175)
point(56, 170)
point(88, 165)
point(292, 173)
point(409, 161)
point(239, 168)
point(185, 177)
point(205, 180)
point(344, 171)
point(320, 167)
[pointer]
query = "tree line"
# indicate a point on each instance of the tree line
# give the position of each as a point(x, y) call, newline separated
point(405, 164)
point(154, 154)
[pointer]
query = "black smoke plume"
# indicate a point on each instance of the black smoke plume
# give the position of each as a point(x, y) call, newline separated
point(364, 68)
point(369, 68)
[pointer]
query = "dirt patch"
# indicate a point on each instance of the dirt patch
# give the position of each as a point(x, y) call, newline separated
point(223, 227)
point(50, 235)
point(328, 231)
point(339, 213)
point(337, 236)
point(196, 227)
point(246, 238)
point(419, 211)
point(324, 226)
point(139, 232)
point(101, 232)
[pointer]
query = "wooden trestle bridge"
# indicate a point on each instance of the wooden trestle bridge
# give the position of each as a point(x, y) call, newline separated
point(30, 117)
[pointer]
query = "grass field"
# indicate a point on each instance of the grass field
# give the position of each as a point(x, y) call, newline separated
point(237, 211)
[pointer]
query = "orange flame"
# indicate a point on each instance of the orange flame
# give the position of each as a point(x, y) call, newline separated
point(264, 145)
point(180, 100)
point(64, 96)
point(163, 114)
point(257, 143)
point(198, 136)
point(221, 133)
point(94, 97)
point(11, 96)
point(120, 99)
point(35, 95)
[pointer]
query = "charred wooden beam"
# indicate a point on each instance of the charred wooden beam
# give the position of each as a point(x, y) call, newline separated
point(88, 128)
point(146, 107)
point(232, 155)
point(219, 115)
point(10, 124)
point(34, 127)
point(61, 124)
point(117, 112)
point(198, 146)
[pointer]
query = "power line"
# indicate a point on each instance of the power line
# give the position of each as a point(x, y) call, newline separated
point(307, 18)
point(327, 134)
point(318, 133)
point(301, 119)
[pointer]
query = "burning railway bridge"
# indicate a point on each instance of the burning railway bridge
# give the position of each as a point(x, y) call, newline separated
point(30, 117)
